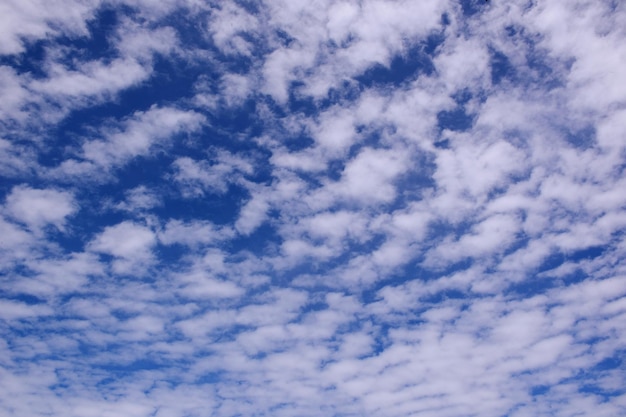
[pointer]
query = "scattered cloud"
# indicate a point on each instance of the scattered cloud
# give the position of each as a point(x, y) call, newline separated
point(354, 208)
point(37, 208)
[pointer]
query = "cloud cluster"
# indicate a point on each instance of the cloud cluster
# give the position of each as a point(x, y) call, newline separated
point(328, 208)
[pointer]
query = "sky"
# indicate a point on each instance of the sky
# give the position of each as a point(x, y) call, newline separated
point(321, 208)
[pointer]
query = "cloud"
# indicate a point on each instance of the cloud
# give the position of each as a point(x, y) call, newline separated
point(198, 177)
point(140, 132)
point(37, 208)
point(228, 26)
point(129, 243)
point(63, 79)
point(193, 233)
point(490, 237)
point(202, 287)
point(92, 79)
point(33, 19)
point(12, 310)
point(14, 236)
point(139, 199)
point(54, 277)
point(139, 135)
point(252, 214)
point(378, 208)
point(14, 94)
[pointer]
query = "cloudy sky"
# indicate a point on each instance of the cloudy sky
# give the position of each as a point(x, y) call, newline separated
point(312, 208)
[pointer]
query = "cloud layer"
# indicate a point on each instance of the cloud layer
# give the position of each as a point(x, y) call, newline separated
point(329, 208)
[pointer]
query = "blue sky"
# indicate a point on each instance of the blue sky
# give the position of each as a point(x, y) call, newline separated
point(312, 208)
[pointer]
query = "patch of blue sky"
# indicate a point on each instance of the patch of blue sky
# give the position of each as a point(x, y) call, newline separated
point(413, 62)
point(471, 7)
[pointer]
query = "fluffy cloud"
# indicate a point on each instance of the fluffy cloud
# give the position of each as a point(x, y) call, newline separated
point(130, 244)
point(37, 208)
point(374, 208)
point(139, 134)
point(34, 19)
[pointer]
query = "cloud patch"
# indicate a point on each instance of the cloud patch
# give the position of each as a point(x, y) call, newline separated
point(372, 208)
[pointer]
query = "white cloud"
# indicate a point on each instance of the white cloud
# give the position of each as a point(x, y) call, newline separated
point(340, 17)
point(335, 226)
point(37, 208)
point(227, 25)
point(12, 310)
point(206, 279)
point(130, 243)
point(139, 199)
point(124, 240)
point(139, 135)
point(235, 89)
point(489, 237)
point(69, 82)
point(201, 287)
point(296, 250)
point(13, 235)
point(139, 42)
point(14, 95)
point(36, 19)
point(471, 172)
point(60, 276)
point(366, 179)
point(279, 68)
point(213, 176)
point(252, 214)
point(193, 233)
point(92, 79)
point(336, 132)
point(399, 267)
point(590, 35)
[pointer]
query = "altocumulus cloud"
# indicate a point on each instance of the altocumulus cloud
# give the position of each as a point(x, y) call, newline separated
point(328, 208)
